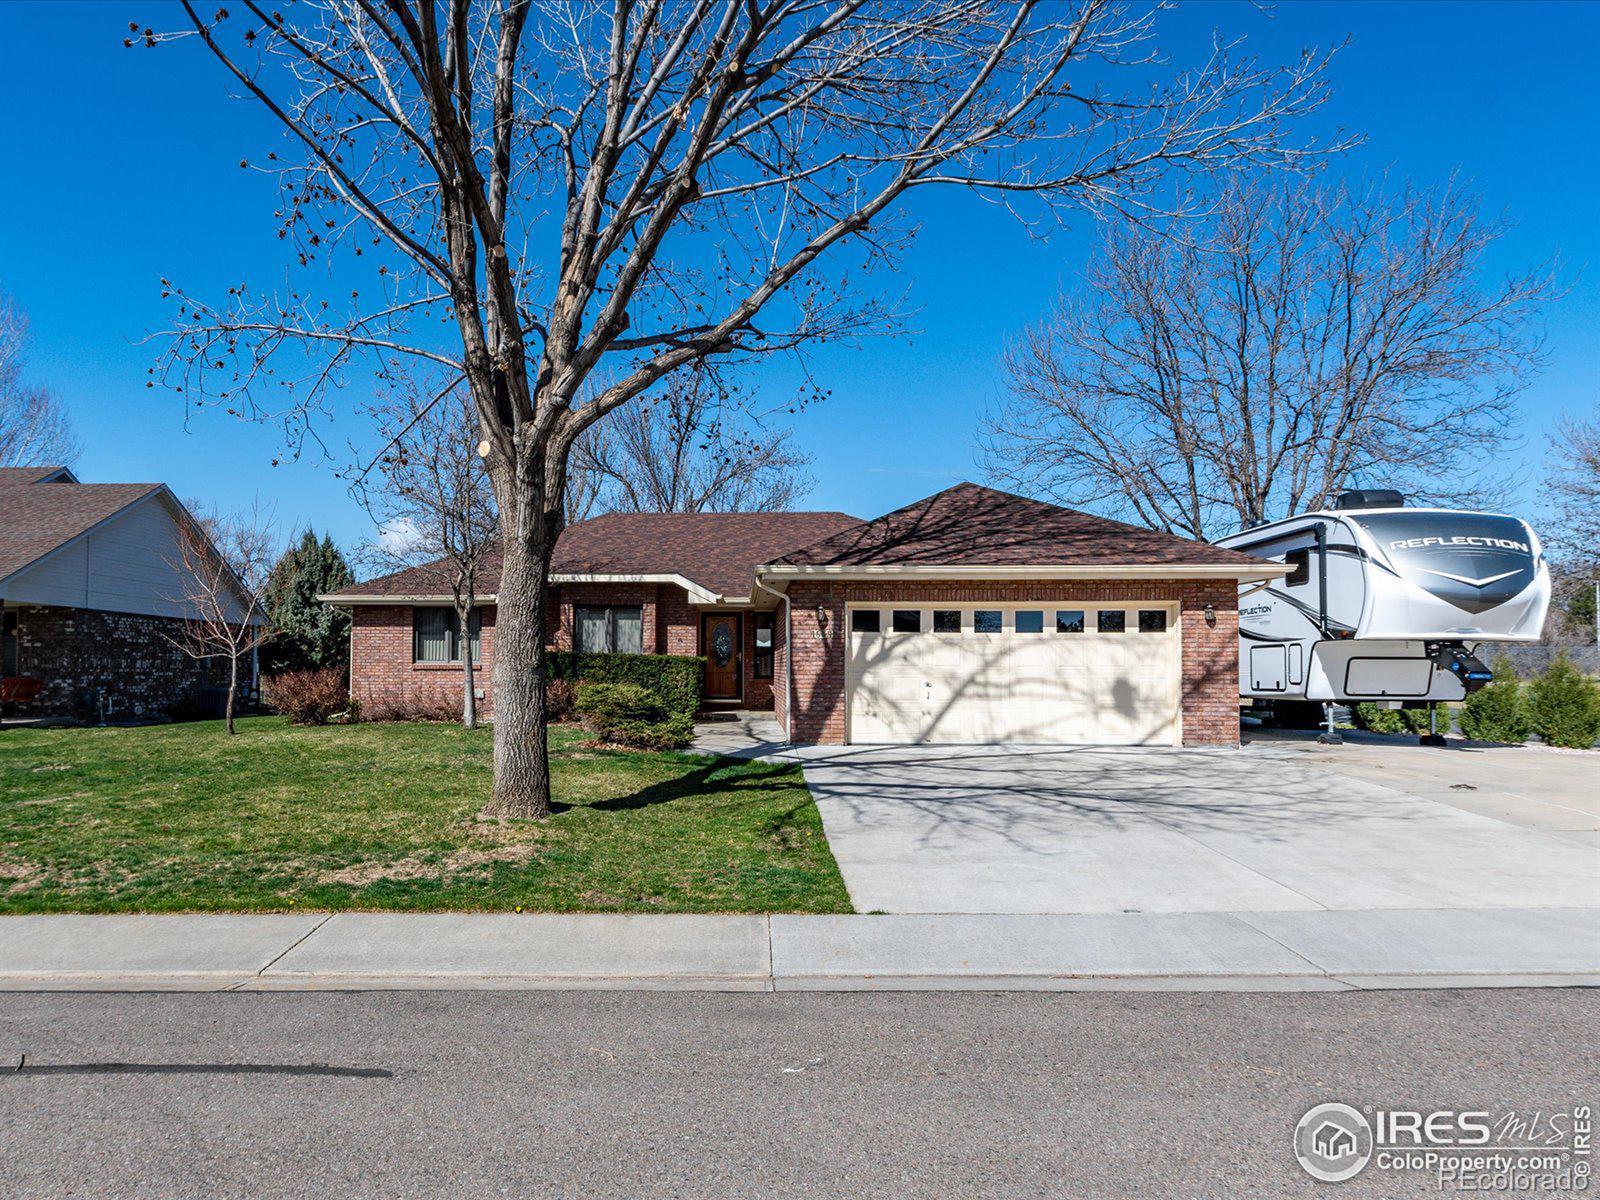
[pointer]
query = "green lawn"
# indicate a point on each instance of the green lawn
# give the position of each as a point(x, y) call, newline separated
point(183, 818)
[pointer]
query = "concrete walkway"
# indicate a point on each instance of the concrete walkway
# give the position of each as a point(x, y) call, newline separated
point(1316, 950)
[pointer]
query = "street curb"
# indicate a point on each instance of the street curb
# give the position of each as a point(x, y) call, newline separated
point(1321, 951)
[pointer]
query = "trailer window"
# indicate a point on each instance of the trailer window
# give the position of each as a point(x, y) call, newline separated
point(1300, 560)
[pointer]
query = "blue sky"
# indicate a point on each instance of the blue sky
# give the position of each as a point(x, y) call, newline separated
point(124, 168)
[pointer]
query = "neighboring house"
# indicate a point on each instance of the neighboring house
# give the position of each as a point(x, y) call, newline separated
point(88, 614)
point(971, 616)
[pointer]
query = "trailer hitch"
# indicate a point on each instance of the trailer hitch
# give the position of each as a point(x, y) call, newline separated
point(1460, 662)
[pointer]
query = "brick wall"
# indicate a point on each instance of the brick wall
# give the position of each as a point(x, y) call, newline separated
point(1210, 685)
point(383, 673)
point(678, 622)
point(86, 656)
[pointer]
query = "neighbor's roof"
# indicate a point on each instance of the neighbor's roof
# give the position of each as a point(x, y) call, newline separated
point(717, 552)
point(972, 526)
point(44, 508)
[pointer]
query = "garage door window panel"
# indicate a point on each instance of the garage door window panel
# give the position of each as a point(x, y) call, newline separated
point(906, 620)
point(947, 620)
point(1111, 620)
point(987, 620)
point(1069, 620)
point(1030, 620)
point(1152, 620)
point(865, 620)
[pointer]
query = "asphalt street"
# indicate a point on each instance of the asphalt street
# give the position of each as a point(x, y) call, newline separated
point(713, 1095)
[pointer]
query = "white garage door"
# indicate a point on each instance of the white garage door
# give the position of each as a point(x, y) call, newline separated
point(1096, 674)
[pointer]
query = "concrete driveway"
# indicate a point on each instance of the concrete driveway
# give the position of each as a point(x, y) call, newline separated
point(1269, 828)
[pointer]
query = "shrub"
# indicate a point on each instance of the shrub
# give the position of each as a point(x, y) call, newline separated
point(1376, 719)
point(676, 679)
point(672, 733)
point(560, 699)
point(630, 715)
point(1497, 712)
point(619, 702)
point(411, 709)
point(1564, 706)
point(307, 697)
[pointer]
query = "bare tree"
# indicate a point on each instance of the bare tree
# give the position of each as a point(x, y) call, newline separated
point(689, 450)
point(1571, 491)
point(1572, 488)
point(223, 564)
point(547, 192)
point(435, 507)
point(1300, 342)
point(34, 430)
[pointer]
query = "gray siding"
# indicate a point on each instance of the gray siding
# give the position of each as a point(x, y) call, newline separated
point(125, 565)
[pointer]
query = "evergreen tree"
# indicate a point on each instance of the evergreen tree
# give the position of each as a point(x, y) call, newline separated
point(310, 635)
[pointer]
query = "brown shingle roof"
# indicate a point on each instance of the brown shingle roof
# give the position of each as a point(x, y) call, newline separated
point(36, 518)
point(717, 551)
point(973, 526)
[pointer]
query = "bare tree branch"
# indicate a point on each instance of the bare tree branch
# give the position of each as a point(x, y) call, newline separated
point(1300, 342)
point(34, 429)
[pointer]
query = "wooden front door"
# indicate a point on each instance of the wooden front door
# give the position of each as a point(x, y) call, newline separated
point(722, 643)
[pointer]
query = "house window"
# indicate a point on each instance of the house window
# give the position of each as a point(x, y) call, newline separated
point(608, 629)
point(436, 635)
point(865, 620)
point(907, 620)
point(762, 666)
point(947, 620)
point(1030, 621)
point(1152, 620)
point(1300, 560)
point(1069, 620)
point(1113, 620)
point(986, 620)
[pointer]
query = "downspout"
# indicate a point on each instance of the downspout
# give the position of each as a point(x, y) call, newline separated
point(788, 657)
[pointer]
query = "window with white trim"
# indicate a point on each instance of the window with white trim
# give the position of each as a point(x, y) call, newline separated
point(608, 629)
point(436, 635)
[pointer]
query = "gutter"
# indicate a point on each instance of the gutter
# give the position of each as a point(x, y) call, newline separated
point(783, 572)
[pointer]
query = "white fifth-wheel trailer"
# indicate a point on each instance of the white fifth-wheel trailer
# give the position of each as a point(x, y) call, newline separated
point(1385, 603)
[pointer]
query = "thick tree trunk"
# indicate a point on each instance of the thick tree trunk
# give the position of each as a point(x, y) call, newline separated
point(233, 687)
point(521, 764)
point(469, 701)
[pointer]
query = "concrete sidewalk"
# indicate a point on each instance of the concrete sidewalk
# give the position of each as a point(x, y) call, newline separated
point(1305, 950)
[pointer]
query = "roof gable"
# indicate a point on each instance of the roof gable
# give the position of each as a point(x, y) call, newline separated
point(43, 513)
point(973, 526)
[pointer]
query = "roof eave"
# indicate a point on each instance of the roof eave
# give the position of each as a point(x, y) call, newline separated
point(696, 593)
point(1242, 572)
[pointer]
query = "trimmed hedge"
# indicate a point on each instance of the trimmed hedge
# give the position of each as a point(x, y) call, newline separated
point(675, 679)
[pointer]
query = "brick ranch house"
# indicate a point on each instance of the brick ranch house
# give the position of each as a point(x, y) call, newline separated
point(91, 600)
point(971, 616)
